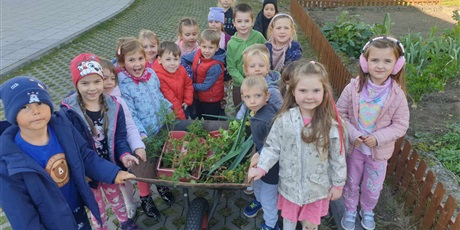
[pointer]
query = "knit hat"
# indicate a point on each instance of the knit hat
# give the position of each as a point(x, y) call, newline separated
point(84, 65)
point(274, 2)
point(216, 14)
point(20, 91)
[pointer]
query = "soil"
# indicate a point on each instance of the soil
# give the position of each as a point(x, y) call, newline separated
point(436, 110)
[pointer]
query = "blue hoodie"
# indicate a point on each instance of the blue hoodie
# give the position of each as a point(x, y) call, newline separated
point(30, 197)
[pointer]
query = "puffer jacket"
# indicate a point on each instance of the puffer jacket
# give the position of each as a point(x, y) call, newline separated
point(391, 124)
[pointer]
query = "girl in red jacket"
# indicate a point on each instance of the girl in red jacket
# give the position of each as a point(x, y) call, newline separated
point(175, 84)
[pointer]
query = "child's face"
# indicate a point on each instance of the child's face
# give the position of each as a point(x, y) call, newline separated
point(151, 49)
point(208, 49)
point(256, 66)
point(282, 31)
point(170, 62)
point(269, 10)
point(309, 94)
point(33, 117)
point(109, 80)
point(215, 25)
point(380, 63)
point(243, 23)
point(134, 63)
point(189, 34)
point(254, 98)
point(90, 88)
point(226, 4)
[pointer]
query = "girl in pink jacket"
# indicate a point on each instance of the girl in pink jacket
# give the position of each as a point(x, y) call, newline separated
point(374, 106)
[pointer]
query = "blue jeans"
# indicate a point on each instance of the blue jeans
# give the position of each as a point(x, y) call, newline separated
point(267, 195)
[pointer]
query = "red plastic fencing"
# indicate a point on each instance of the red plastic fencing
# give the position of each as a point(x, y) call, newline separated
point(406, 172)
point(345, 3)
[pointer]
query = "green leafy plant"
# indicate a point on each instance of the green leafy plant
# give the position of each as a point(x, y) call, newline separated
point(383, 28)
point(347, 34)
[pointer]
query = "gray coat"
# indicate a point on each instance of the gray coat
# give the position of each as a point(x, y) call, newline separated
point(303, 177)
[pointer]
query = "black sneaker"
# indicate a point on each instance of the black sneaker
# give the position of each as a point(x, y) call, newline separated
point(165, 194)
point(149, 207)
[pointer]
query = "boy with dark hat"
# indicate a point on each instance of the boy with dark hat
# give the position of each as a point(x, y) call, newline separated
point(43, 162)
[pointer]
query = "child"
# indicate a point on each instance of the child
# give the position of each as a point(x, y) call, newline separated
point(375, 109)
point(101, 121)
point(282, 42)
point(150, 42)
point(306, 140)
point(269, 9)
point(187, 36)
point(133, 136)
point(228, 16)
point(47, 188)
point(140, 88)
point(286, 76)
point(254, 92)
point(216, 22)
point(208, 69)
point(246, 36)
point(175, 83)
point(256, 62)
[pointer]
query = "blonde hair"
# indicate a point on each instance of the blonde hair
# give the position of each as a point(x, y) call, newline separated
point(321, 122)
point(231, 4)
point(150, 35)
point(400, 77)
point(186, 22)
point(279, 16)
point(210, 35)
point(256, 50)
point(128, 45)
point(254, 82)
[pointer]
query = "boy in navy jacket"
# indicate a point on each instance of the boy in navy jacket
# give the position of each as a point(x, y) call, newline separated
point(43, 163)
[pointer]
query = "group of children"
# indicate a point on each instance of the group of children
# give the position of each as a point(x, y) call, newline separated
point(300, 136)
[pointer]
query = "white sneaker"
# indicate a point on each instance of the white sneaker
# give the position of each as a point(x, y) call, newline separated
point(348, 220)
point(249, 191)
point(367, 219)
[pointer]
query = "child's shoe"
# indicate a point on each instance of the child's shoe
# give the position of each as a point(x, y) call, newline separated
point(265, 227)
point(149, 207)
point(252, 209)
point(249, 191)
point(129, 225)
point(348, 220)
point(165, 194)
point(367, 219)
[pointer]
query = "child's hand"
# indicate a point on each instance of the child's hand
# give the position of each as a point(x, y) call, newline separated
point(122, 176)
point(140, 152)
point(254, 160)
point(335, 193)
point(143, 136)
point(184, 106)
point(370, 141)
point(254, 173)
point(128, 160)
point(358, 141)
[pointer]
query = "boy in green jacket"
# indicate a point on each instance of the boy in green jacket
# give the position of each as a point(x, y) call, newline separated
point(243, 20)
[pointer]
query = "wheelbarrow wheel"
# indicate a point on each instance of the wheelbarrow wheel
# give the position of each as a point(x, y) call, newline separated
point(197, 215)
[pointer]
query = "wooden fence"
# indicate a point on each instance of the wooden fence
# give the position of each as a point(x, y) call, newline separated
point(345, 3)
point(409, 174)
point(339, 74)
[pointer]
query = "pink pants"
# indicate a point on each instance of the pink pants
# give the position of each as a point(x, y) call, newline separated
point(114, 198)
point(367, 175)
